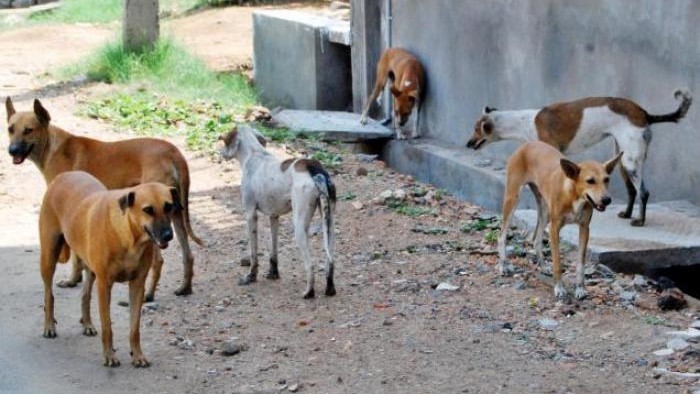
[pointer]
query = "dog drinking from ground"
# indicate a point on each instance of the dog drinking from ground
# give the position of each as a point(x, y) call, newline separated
point(116, 164)
point(275, 188)
point(565, 192)
point(575, 126)
point(407, 78)
point(113, 234)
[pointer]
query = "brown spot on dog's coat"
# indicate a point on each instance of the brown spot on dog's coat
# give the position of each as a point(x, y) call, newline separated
point(557, 124)
point(229, 137)
point(305, 164)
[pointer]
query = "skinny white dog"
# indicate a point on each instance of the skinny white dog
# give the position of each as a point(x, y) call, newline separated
point(275, 188)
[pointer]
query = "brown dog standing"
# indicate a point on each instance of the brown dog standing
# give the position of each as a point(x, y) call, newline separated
point(566, 192)
point(407, 83)
point(113, 233)
point(116, 164)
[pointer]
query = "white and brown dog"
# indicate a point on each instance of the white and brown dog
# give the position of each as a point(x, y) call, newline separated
point(405, 72)
point(575, 126)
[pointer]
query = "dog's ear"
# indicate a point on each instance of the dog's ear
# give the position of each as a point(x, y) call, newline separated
point(610, 164)
point(127, 200)
point(9, 107)
point(395, 92)
point(177, 204)
point(488, 110)
point(260, 137)
point(570, 168)
point(41, 113)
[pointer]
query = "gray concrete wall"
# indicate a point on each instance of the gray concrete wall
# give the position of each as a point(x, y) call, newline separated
point(528, 53)
point(296, 66)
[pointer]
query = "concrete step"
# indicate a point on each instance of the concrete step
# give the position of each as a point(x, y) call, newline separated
point(671, 236)
point(332, 125)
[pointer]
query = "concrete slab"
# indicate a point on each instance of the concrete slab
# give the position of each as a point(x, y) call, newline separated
point(670, 238)
point(332, 125)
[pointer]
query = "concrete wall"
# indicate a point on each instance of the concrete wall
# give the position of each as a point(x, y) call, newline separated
point(528, 53)
point(296, 66)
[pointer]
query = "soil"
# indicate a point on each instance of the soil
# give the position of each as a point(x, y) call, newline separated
point(387, 330)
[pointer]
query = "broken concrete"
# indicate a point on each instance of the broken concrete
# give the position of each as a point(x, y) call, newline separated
point(331, 125)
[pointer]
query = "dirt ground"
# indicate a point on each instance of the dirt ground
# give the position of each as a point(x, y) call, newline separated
point(388, 329)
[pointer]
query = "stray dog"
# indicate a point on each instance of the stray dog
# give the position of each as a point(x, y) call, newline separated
point(407, 83)
point(577, 125)
point(112, 233)
point(116, 164)
point(565, 192)
point(275, 188)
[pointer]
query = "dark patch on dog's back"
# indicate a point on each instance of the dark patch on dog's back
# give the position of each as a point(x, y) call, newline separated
point(285, 164)
point(314, 167)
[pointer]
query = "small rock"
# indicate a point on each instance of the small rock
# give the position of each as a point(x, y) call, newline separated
point(520, 285)
point(677, 344)
point(548, 324)
point(357, 205)
point(628, 296)
point(187, 344)
point(640, 282)
point(365, 158)
point(507, 326)
point(446, 286)
point(361, 171)
point(386, 194)
point(663, 352)
point(695, 324)
point(152, 306)
point(399, 194)
point(690, 333)
point(230, 348)
point(293, 387)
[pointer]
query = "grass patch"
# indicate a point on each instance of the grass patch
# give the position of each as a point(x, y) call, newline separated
point(480, 225)
point(401, 207)
point(82, 11)
point(170, 93)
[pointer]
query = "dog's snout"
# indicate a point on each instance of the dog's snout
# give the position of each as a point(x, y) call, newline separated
point(470, 144)
point(166, 234)
point(606, 200)
point(15, 149)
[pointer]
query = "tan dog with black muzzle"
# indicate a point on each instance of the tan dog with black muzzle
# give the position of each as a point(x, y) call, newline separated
point(566, 192)
point(117, 165)
point(114, 234)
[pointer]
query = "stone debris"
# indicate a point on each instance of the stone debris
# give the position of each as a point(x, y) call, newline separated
point(677, 344)
point(663, 352)
point(446, 286)
point(230, 348)
point(548, 324)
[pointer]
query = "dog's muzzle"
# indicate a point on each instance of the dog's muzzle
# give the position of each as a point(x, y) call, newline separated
point(605, 201)
point(475, 144)
point(160, 236)
point(19, 151)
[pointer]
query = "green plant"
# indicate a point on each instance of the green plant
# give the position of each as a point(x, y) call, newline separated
point(401, 207)
point(491, 236)
point(349, 196)
point(655, 320)
point(277, 134)
point(330, 160)
point(480, 225)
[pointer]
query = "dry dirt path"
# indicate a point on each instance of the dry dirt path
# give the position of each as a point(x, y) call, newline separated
point(386, 331)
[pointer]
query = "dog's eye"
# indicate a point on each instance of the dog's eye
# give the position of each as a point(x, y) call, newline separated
point(27, 131)
point(606, 180)
point(11, 129)
point(168, 207)
point(590, 181)
point(149, 210)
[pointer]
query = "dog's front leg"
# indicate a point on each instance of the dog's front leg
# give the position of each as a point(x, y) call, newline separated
point(583, 232)
point(559, 290)
point(273, 272)
point(104, 298)
point(252, 221)
point(156, 269)
point(48, 269)
point(86, 319)
point(136, 290)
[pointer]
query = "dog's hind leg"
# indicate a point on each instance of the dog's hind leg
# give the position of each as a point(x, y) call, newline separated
point(76, 275)
point(542, 220)
point(416, 121)
point(303, 207)
point(187, 258)
point(635, 153)
point(510, 201)
point(273, 272)
point(156, 269)
point(252, 221)
point(328, 242)
point(86, 319)
point(51, 244)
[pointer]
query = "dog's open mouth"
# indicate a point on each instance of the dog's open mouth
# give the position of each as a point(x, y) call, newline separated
point(598, 207)
point(20, 157)
point(476, 144)
point(162, 244)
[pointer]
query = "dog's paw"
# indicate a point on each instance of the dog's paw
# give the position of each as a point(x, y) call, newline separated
point(184, 290)
point(272, 274)
point(624, 215)
point(330, 291)
point(386, 121)
point(363, 120)
point(580, 292)
point(637, 223)
point(88, 329)
point(50, 332)
point(149, 297)
point(111, 361)
point(247, 279)
point(67, 283)
point(505, 268)
point(559, 291)
point(140, 362)
point(309, 294)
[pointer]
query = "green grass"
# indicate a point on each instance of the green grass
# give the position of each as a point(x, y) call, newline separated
point(401, 207)
point(168, 92)
point(82, 11)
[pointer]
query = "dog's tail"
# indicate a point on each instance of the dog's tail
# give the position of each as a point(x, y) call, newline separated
point(327, 199)
point(685, 98)
point(183, 185)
